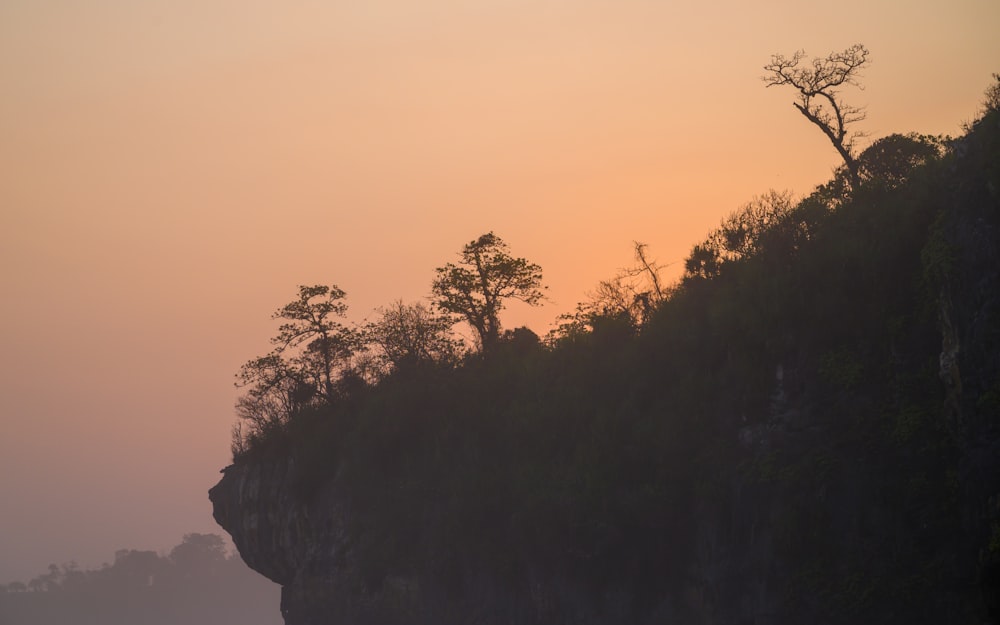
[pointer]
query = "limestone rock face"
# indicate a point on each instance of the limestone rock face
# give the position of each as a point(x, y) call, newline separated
point(301, 543)
point(293, 542)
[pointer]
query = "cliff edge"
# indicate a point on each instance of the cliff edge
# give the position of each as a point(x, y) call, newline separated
point(810, 436)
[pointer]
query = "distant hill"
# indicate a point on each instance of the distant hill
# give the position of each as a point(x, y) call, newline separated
point(196, 584)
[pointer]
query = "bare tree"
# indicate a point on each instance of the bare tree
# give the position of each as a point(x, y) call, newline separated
point(818, 84)
point(634, 291)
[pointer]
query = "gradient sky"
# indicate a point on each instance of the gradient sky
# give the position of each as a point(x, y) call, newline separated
point(170, 170)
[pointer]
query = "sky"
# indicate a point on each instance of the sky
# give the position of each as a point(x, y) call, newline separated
point(171, 170)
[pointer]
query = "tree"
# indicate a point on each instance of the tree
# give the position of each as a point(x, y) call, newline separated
point(890, 161)
point(991, 97)
point(705, 261)
point(311, 348)
point(886, 164)
point(134, 568)
point(199, 555)
point(17, 587)
point(327, 344)
point(407, 335)
point(748, 231)
point(477, 287)
point(633, 293)
point(770, 225)
point(312, 353)
point(819, 97)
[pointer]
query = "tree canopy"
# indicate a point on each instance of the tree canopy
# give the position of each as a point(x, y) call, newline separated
point(477, 287)
point(310, 348)
point(408, 335)
point(312, 351)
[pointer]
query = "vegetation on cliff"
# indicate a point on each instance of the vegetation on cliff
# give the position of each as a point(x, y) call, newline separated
point(825, 374)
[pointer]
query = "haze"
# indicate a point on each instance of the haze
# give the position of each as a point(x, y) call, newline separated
point(170, 171)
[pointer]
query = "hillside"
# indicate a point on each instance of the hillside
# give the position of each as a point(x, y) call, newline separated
point(806, 429)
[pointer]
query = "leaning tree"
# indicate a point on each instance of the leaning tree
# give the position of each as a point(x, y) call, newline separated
point(818, 84)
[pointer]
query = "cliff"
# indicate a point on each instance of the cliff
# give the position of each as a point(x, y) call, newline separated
point(810, 436)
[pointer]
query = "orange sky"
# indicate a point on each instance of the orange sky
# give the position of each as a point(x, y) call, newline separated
point(171, 170)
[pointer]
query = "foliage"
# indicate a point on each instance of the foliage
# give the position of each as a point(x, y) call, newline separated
point(476, 288)
point(704, 262)
point(890, 161)
point(311, 358)
point(634, 292)
point(771, 226)
point(308, 372)
point(411, 335)
point(756, 226)
point(631, 296)
point(991, 97)
point(311, 347)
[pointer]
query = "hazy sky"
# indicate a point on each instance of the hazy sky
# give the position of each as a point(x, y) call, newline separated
point(171, 170)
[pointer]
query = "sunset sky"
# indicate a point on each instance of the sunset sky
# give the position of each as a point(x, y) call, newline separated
point(170, 171)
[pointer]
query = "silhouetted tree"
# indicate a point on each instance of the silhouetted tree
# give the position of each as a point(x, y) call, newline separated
point(633, 292)
point(889, 161)
point(886, 164)
point(312, 352)
point(311, 346)
point(705, 261)
point(631, 295)
point(744, 233)
point(747, 231)
point(199, 554)
point(476, 288)
point(412, 334)
point(134, 568)
point(819, 99)
point(991, 97)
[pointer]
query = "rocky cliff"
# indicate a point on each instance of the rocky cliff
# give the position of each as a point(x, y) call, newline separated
point(815, 441)
point(303, 545)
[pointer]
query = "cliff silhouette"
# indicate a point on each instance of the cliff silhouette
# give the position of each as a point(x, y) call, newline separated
point(805, 428)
